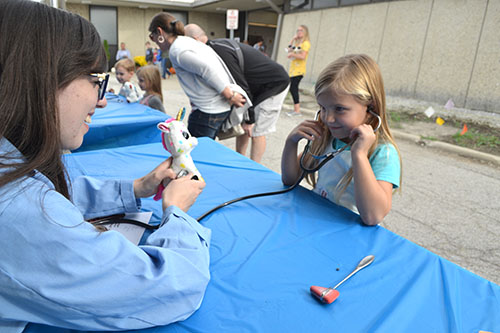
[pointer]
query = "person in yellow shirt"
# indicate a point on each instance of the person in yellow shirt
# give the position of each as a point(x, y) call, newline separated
point(298, 49)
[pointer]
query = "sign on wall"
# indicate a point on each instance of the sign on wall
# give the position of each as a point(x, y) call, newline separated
point(232, 19)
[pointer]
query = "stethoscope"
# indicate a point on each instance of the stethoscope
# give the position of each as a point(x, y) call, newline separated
point(305, 170)
point(327, 157)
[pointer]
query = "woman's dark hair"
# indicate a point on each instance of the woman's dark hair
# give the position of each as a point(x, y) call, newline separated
point(42, 50)
point(167, 23)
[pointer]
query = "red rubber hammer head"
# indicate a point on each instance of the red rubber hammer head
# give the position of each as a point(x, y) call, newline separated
point(325, 295)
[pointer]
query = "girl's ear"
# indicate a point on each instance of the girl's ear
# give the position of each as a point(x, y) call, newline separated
point(369, 110)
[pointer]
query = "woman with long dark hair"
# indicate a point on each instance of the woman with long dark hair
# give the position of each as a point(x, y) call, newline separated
point(56, 268)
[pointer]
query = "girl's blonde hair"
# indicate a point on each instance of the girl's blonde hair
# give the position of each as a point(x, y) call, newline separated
point(126, 63)
point(359, 76)
point(306, 33)
point(151, 75)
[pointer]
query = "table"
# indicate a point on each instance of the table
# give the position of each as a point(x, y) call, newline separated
point(122, 124)
point(267, 252)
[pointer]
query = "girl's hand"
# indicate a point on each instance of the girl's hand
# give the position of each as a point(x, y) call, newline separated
point(308, 129)
point(148, 185)
point(364, 138)
point(182, 192)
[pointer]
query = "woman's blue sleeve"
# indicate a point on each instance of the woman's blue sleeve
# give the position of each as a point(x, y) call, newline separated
point(56, 269)
point(98, 198)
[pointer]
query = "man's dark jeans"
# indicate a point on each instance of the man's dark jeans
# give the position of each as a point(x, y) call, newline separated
point(206, 124)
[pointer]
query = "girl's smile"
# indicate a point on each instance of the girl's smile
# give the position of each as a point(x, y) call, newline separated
point(76, 105)
point(341, 113)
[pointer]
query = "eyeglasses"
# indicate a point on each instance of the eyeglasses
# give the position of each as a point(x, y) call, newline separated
point(102, 81)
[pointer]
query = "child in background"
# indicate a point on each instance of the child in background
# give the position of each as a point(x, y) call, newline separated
point(149, 53)
point(350, 93)
point(124, 70)
point(150, 82)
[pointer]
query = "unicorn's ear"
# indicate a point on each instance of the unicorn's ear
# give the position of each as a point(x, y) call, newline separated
point(163, 127)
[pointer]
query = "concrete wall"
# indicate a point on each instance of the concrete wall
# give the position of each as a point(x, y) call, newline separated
point(427, 49)
point(132, 29)
point(82, 10)
point(213, 24)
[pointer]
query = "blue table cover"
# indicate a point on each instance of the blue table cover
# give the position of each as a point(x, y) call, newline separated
point(267, 252)
point(122, 124)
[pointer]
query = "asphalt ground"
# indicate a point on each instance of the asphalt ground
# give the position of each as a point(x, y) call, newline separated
point(449, 201)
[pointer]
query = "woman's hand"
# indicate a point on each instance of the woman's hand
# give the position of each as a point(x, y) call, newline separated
point(364, 138)
point(182, 192)
point(237, 100)
point(148, 185)
point(233, 97)
point(308, 129)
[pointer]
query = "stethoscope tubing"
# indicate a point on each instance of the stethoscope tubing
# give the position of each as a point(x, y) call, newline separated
point(305, 170)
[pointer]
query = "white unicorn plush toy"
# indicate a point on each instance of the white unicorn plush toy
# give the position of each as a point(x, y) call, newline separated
point(179, 143)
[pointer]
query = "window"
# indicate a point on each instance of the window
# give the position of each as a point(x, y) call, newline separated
point(325, 3)
point(300, 4)
point(304, 5)
point(353, 2)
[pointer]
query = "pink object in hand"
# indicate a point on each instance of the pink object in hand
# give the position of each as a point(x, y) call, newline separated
point(158, 193)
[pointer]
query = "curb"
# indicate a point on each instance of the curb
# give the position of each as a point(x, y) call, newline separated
point(461, 151)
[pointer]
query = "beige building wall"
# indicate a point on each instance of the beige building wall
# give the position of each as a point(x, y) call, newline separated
point(213, 24)
point(133, 24)
point(82, 10)
point(432, 50)
point(400, 65)
point(484, 86)
point(450, 49)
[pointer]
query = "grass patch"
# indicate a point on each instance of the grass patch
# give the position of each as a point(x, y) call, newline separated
point(397, 117)
point(476, 139)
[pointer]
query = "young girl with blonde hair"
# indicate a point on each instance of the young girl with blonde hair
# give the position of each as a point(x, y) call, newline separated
point(298, 50)
point(150, 82)
point(350, 93)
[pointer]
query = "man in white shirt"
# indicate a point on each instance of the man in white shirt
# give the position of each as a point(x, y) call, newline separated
point(123, 52)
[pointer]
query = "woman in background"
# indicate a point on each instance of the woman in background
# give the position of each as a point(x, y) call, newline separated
point(298, 50)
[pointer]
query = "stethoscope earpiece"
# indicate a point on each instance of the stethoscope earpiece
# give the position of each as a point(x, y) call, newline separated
point(369, 109)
